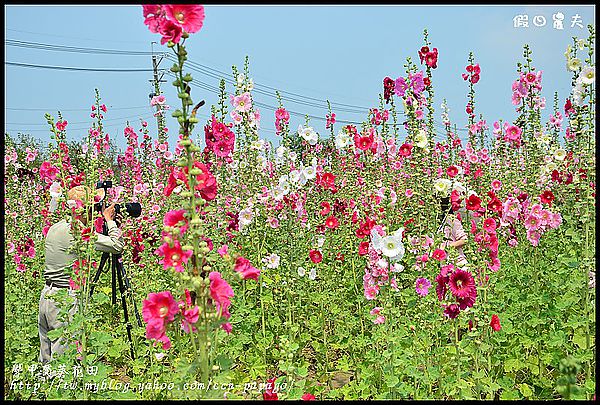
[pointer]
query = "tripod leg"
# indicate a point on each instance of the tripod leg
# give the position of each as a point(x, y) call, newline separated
point(117, 270)
point(114, 281)
point(129, 292)
point(103, 260)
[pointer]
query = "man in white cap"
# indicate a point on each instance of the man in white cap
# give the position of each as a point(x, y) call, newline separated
point(59, 258)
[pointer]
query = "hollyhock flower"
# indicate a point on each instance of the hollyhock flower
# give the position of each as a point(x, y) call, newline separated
point(587, 75)
point(392, 247)
point(190, 17)
point(331, 222)
point(452, 171)
point(363, 248)
point(547, 197)
point(468, 301)
point(315, 256)
point(301, 271)
point(496, 185)
point(489, 225)
point(495, 323)
point(169, 31)
point(174, 217)
point(159, 308)
point(190, 317)
point(363, 142)
point(451, 311)
point(61, 125)
point(220, 292)
point(473, 203)
point(388, 89)
point(308, 397)
point(405, 150)
point(269, 395)
point(400, 86)
point(173, 256)
point(439, 254)
point(242, 103)
point(461, 283)
point(227, 327)
point(246, 270)
point(380, 318)
point(326, 208)
point(222, 251)
point(312, 274)
point(422, 286)
point(272, 261)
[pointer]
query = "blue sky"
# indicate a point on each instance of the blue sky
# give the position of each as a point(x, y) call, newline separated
point(340, 53)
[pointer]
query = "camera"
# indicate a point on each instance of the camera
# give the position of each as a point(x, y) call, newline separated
point(133, 209)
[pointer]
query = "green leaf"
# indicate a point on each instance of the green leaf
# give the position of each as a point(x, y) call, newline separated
point(525, 390)
point(580, 340)
point(391, 381)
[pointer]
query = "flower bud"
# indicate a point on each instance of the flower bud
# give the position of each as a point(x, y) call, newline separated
point(175, 68)
point(187, 77)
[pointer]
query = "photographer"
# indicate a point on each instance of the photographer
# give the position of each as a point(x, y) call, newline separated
point(58, 258)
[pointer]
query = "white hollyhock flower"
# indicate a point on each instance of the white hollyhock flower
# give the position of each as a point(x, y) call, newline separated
point(245, 217)
point(301, 271)
point(309, 172)
point(573, 64)
point(560, 154)
point(308, 134)
point(272, 261)
point(587, 75)
point(392, 247)
point(421, 139)
point(442, 186)
point(342, 139)
point(313, 274)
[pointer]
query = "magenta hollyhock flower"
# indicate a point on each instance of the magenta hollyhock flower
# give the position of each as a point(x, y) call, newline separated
point(246, 270)
point(190, 17)
point(315, 256)
point(461, 283)
point(61, 125)
point(220, 292)
point(451, 311)
point(417, 82)
point(227, 327)
point(468, 301)
point(222, 251)
point(153, 13)
point(400, 86)
point(173, 256)
point(441, 287)
point(47, 171)
point(422, 286)
point(331, 222)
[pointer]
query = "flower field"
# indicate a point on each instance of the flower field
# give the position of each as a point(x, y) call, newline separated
point(322, 266)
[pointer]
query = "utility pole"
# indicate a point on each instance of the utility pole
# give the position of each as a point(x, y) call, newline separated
point(160, 119)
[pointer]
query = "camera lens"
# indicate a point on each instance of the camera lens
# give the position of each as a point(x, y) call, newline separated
point(134, 209)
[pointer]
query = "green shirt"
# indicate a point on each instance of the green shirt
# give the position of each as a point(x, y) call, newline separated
point(59, 256)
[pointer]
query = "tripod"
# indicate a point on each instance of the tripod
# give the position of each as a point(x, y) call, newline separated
point(118, 274)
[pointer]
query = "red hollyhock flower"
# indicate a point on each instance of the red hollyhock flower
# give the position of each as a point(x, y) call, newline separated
point(315, 256)
point(495, 205)
point(439, 254)
point(331, 222)
point(452, 171)
point(461, 283)
point(547, 197)
point(473, 203)
point(326, 208)
point(363, 142)
point(427, 81)
point(405, 150)
point(269, 395)
point(388, 88)
point(495, 323)
point(308, 397)
point(363, 248)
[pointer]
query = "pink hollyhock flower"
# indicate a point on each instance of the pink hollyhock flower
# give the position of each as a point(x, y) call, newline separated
point(242, 103)
point(236, 117)
point(227, 327)
point(173, 256)
point(220, 292)
point(169, 31)
point(190, 17)
point(246, 270)
point(153, 14)
point(47, 171)
point(532, 223)
point(308, 397)
point(496, 184)
point(159, 306)
point(380, 318)
point(489, 225)
point(222, 251)
point(190, 317)
point(61, 125)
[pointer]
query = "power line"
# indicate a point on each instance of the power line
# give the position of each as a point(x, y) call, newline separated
point(76, 49)
point(75, 68)
point(71, 109)
point(208, 71)
point(70, 37)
